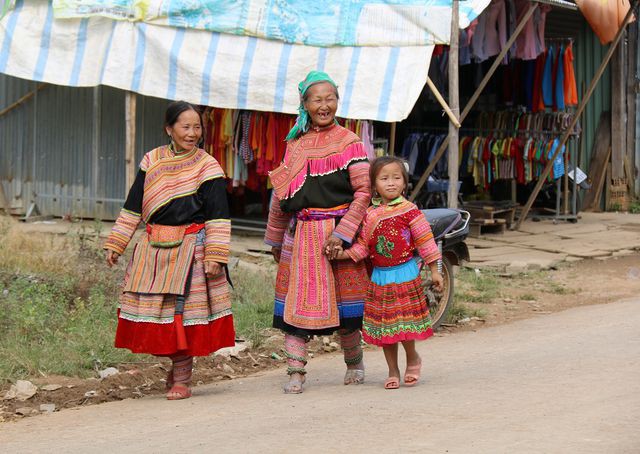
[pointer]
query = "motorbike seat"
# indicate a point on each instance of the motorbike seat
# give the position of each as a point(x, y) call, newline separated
point(442, 220)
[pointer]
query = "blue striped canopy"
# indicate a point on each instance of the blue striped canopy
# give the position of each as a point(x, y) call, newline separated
point(203, 67)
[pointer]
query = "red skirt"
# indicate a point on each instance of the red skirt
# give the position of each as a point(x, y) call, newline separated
point(396, 312)
point(166, 339)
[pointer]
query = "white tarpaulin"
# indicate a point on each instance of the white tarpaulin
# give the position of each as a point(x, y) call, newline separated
point(215, 69)
point(314, 23)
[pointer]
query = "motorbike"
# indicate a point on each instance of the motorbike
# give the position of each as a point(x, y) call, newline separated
point(450, 229)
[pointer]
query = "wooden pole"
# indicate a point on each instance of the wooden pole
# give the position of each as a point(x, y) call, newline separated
point(576, 117)
point(454, 101)
point(442, 102)
point(475, 97)
point(4, 203)
point(130, 139)
point(630, 163)
point(22, 100)
point(392, 139)
point(618, 112)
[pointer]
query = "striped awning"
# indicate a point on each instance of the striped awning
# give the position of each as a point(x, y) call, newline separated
point(209, 68)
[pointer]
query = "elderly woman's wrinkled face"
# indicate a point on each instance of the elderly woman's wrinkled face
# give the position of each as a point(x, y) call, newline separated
point(321, 101)
point(187, 130)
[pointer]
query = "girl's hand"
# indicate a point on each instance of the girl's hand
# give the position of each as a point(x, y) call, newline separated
point(276, 251)
point(332, 246)
point(111, 257)
point(212, 269)
point(437, 281)
point(342, 255)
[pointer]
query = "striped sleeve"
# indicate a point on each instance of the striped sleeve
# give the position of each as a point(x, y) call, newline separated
point(122, 231)
point(277, 223)
point(359, 177)
point(423, 238)
point(359, 250)
point(129, 217)
point(217, 243)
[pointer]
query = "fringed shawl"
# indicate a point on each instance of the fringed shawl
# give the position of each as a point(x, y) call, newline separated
point(315, 153)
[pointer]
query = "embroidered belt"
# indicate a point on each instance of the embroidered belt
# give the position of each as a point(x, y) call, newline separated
point(169, 236)
point(192, 228)
point(321, 214)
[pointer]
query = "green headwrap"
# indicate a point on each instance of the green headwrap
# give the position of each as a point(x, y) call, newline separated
point(302, 122)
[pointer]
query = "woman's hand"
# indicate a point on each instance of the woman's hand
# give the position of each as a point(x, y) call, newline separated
point(276, 251)
point(112, 257)
point(332, 247)
point(212, 269)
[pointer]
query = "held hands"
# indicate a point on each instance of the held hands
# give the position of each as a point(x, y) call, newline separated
point(111, 257)
point(332, 247)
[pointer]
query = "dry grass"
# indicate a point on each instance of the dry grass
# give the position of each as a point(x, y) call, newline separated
point(58, 299)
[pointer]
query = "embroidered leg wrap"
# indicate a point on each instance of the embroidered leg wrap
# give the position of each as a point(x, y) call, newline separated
point(296, 353)
point(351, 347)
point(182, 368)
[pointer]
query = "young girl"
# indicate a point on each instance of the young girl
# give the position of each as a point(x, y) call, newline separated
point(395, 306)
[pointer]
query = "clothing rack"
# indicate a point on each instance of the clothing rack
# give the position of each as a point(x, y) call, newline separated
point(559, 40)
point(569, 166)
point(417, 129)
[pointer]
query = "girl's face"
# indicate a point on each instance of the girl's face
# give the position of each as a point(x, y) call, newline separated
point(186, 131)
point(389, 182)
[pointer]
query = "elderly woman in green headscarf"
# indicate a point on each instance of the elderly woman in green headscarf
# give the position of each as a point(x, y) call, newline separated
point(320, 195)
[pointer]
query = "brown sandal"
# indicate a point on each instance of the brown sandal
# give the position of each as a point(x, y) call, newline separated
point(179, 392)
point(295, 386)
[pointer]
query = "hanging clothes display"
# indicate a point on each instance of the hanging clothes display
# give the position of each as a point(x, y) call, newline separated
point(503, 145)
point(249, 144)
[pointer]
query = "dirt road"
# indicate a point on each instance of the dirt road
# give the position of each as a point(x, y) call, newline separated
point(564, 382)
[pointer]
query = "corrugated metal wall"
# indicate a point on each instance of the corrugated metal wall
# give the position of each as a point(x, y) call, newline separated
point(64, 148)
point(588, 54)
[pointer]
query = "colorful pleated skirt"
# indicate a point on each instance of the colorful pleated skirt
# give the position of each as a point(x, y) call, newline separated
point(197, 322)
point(306, 276)
point(396, 307)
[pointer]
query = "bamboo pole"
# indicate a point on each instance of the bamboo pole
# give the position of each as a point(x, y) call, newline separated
point(474, 98)
point(442, 102)
point(576, 117)
point(392, 139)
point(130, 139)
point(454, 100)
point(22, 100)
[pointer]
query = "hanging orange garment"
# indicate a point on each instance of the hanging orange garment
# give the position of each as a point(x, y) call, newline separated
point(570, 86)
point(254, 134)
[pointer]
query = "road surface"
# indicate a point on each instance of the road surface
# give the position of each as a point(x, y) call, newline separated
point(560, 383)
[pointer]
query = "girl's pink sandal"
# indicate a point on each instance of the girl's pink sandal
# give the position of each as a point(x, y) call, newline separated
point(392, 383)
point(412, 374)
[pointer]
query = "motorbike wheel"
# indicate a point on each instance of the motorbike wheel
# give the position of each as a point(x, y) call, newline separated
point(439, 302)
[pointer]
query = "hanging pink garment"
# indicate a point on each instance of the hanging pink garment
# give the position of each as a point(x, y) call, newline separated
point(495, 36)
point(528, 45)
